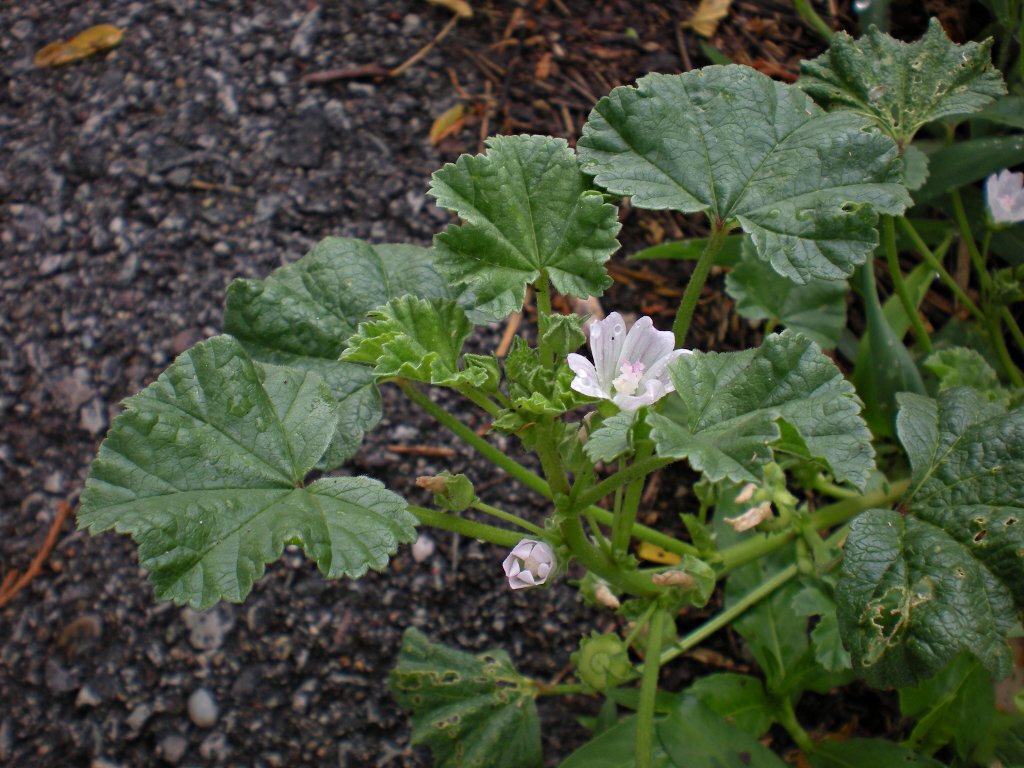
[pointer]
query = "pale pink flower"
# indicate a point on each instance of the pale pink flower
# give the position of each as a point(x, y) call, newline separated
point(529, 564)
point(630, 369)
point(1005, 194)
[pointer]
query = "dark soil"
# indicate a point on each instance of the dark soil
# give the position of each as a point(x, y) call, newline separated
point(135, 186)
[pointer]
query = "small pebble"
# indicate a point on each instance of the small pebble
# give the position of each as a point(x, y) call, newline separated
point(202, 708)
point(172, 748)
point(422, 548)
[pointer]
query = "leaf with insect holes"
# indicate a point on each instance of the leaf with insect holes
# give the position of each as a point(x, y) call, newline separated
point(205, 469)
point(303, 313)
point(473, 711)
point(527, 211)
point(946, 575)
point(745, 150)
point(727, 409)
point(902, 86)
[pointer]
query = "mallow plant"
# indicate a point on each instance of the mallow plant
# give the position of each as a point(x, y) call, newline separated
point(839, 544)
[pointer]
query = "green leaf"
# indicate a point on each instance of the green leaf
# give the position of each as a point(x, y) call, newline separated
point(561, 334)
point(968, 161)
point(724, 414)
point(416, 339)
point(738, 699)
point(868, 753)
point(959, 694)
point(963, 367)
point(946, 575)
point(1008, 110)
point(302, 314)
point(695, 737)
point(205, 468)
point(826, 639)
point(692, 736)
point(612, 438)
point(915, 167)
point(742, 148)
point(900, 85)
point(471, 710)
point(527, 210)
point(816, 309)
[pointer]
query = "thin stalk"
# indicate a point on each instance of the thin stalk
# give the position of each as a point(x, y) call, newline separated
point(626, 514)
point(480, 400)
point(821, 485)
point(530, 479)
point(640, 624)
point(636, 470)
point(593, 559)
point(500, 536)
point(649, 692)
point(697, 280)
point(995, 332)
point(968, 238)
point(565, 689)
point(508, 517)
point(809, 15)
point(542, 296)
point(485, 449)
point(827, 517)
point(1011, 323)
point(729, 615)
point(892, 258)
point(934, 263)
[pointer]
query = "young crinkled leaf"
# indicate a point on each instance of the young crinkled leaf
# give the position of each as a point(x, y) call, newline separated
point(416, 339)
point(902, 86)
point(744, 149)
point(303, 313)
point(527, 210)
point(946, 575)
point(817, 309)
point(205, 469)
point(725, 413)
point(473, 711)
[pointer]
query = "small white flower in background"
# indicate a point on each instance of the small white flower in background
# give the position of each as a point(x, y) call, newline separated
point(529, 564)
point(752, 518)
point(630, 369)
point(1005, 194)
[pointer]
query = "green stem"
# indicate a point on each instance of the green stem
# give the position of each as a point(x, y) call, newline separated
point(697, 280)
point(485, 449)
point(809, 15)
point(626, 515)
point(729, 615)
point(787, 719)
point(934, 263)
point(649, 692)
point(480, 400)
point(500, 536)
point(892, 257)
point(968, 238)
point(995, 332)
point(542, 292)
point(640, 624)
point(637, 470)
point(827, 517)
point(508, 517)
point(593, 559)
point(1011, 323)
point(821, 485)
point(644, 533)
point(550, 461)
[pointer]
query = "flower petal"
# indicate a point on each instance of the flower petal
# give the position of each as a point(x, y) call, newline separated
point(586, 381)
point(645, 344)
point(654, 390)
point(659, 371)
point(607, 338)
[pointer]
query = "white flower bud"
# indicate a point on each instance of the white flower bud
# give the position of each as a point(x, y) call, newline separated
point(673, 579)
point(752, 518)
point(604, 596)
point(529, 564)
point(746, 493)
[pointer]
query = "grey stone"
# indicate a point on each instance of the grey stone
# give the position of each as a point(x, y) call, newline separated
point(172, 748)
point(202, 708)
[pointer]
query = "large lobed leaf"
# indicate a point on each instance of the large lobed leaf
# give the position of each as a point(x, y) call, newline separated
point(726, 412)
point(946, 575)
point(744, 149)
point(901, 85)
point(473, 711)
point(527, 210)
point(303, 313)
point(205, 468)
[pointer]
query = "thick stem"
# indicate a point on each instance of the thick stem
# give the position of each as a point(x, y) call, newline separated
point(649, 692)
point(697, 280)
point(500, 536)
point(892, 258)
point(593, 559)
point(550, 461)
point(787, 719)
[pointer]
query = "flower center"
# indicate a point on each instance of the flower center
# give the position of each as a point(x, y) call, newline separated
point(627, 383)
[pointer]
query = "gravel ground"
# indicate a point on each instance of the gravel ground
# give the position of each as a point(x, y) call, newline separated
point(135, 186)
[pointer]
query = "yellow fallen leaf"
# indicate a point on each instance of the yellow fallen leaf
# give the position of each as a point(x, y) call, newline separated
point(652, 553)
point(705, 19)
point(459, 7)
point(93, 40)
point(448, 123)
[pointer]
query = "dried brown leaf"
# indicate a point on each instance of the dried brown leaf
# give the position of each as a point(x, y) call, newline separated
point(93, 40)
point(459, 7)
point(705, 19)
point(449, 122)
